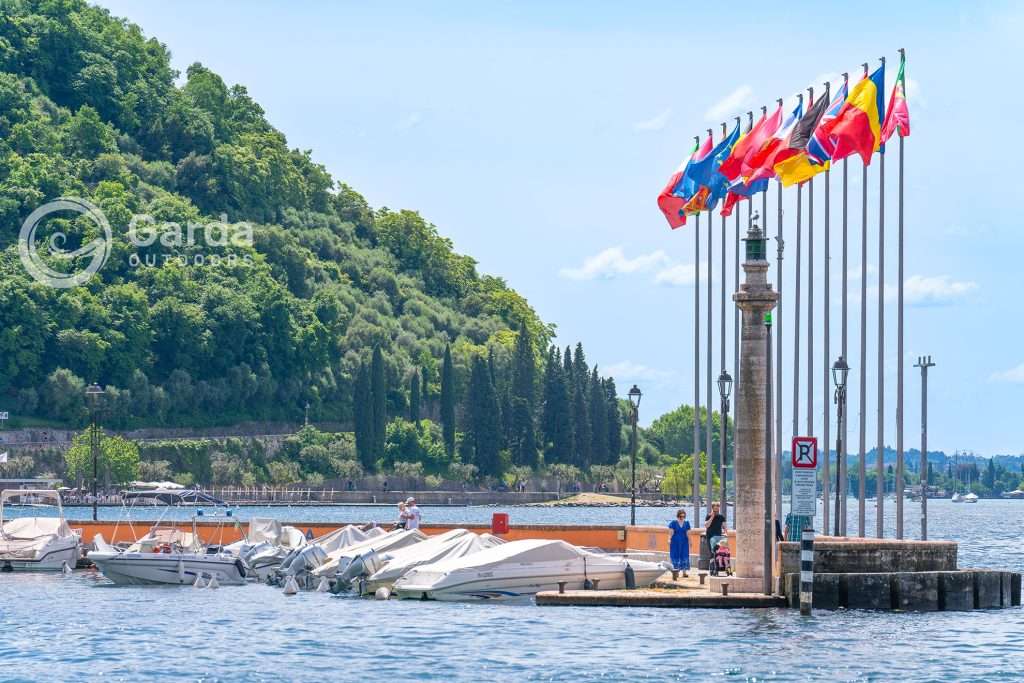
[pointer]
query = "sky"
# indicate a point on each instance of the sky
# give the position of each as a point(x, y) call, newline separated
point(537, 136)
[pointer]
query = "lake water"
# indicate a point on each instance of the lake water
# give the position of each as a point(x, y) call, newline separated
point(82, 628)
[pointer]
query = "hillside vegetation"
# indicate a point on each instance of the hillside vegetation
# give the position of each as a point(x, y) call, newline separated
point(365, 317)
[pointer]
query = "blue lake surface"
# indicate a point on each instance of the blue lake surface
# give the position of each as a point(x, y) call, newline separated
point(81, 627)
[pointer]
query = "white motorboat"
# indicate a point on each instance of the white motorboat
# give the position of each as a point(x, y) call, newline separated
point(386, 568)
point(957, 498)
point(971, 498)
point(36, 543)
point(266, 545)
point(339, 560)
point(167, 556)
point(521, 569)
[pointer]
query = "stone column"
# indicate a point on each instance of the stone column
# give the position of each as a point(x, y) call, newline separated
point(755, 299)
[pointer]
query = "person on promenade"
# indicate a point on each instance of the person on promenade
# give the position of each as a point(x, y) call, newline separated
point(795, 525)
point(412, 520)
point(714, 528)
point(679, 544)
point(403, 516)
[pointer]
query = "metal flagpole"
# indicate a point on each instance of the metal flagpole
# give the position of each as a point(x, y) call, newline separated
point(736, 321)
point(844, 479)
point(810, 295)
point(880, 455)
point(769, 532)
point(708, 430)
point(696, 369)
point(721, 415)
point(862, 470)
point(826, 472)
point(776, 474)
point(924, 362)
point(899, 355)
point(796, 313)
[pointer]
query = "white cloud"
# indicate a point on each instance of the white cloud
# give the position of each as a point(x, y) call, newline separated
point(627, 369)
point(613, 262)
point(938, 290)
point(1013, 375)
point(914, 93)
point(731, 105)
point(679, 275)
point(656, 123)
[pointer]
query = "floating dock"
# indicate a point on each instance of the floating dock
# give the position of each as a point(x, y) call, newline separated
point(684, 592)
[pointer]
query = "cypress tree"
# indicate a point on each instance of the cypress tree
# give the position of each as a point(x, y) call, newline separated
point(448, 401)
point(484, 429)
point(414, 398)
point(614, 422)
point(579, 379)
point(378, 399)
point(557, 420)
point(524, 371)
point(522, 430)
point(363, 424)
point(598, 421)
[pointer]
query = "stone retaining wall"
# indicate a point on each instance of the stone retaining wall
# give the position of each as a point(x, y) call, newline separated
point(867, 556)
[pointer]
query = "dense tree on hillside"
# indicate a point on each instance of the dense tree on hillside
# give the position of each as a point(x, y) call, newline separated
point(448, 400)
point(378, 403)
point(557, 421)
point(363, 422)
point(483, 429)
point(414, 398)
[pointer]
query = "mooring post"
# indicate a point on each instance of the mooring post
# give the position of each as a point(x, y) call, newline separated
point(806, 571)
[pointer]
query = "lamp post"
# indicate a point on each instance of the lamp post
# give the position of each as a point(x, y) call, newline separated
point(840, 371)
point(92, 395)
point(634, 400)
point(724, 389)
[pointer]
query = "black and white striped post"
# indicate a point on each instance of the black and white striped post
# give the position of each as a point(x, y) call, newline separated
point(806, 571)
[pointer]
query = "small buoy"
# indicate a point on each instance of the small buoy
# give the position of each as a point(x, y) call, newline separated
point(65, 569)
point(324, 585)
point(181, 571)
point(290, 586)
point(383, 593)
point(214, 583)
point(199, 581)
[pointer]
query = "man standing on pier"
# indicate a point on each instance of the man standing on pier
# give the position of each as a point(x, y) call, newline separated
point(412, 513)
point(714, 528)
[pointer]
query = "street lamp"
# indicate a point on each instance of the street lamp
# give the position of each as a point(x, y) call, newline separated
point(724, 390)
point(634, 400)
point(840, 371)
point(92, 395)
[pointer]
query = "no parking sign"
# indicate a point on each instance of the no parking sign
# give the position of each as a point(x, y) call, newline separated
point(805, 480)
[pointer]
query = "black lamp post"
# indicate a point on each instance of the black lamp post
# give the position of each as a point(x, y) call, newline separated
point(92, 394)
point(724, 390)
point(634, 400)
point(840, 370)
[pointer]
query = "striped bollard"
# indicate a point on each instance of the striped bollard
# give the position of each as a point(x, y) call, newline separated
point(806, 571)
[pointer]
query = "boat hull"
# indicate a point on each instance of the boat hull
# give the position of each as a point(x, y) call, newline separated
point(156, 568)
point(524, 586)
point(51, 559)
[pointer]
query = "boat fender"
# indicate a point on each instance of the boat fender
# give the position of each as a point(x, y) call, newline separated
point(199, 581)
point(382, 593)
point(324, 585)
point(240, 565)
point(65, 569)
point(214, 583)
point(587, 583)
point(630, 577)
point(290, 586)
point(181, 571)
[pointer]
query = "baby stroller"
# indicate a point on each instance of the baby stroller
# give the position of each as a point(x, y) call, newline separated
point(721, 561)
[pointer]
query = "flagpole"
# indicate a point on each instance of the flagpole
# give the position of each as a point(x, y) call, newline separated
point(844, 480)
point(721, 417)
point(777, 460)
point(899, 357)
point(862, 469)
point(810, 294)
point(696, 368)
point(796, 308)
point(708, 430)
point(880, 427)
point(826, 472)
point(736, 318)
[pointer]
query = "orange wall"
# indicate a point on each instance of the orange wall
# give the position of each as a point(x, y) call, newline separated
point(651, 538)
point(607, 537)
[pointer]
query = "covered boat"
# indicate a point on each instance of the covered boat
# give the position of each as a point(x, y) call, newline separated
point(339, 560)
point(36, 543)
point(435, 549)
point(266, 545)
point(521, 569)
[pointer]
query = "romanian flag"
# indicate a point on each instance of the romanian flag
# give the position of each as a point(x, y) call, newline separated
point(732, 167)
point(671, 201)
point(897, 118)
point(858, 126)
point(761, 164)
point(821, 145)
point(791, 163)
point(671, 204)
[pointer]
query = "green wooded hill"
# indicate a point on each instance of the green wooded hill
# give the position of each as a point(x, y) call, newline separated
point(368, 316)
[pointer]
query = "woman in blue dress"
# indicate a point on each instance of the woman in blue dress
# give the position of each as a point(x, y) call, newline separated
point(679, 545)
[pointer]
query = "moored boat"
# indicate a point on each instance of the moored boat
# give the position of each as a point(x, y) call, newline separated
point(37, 543)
